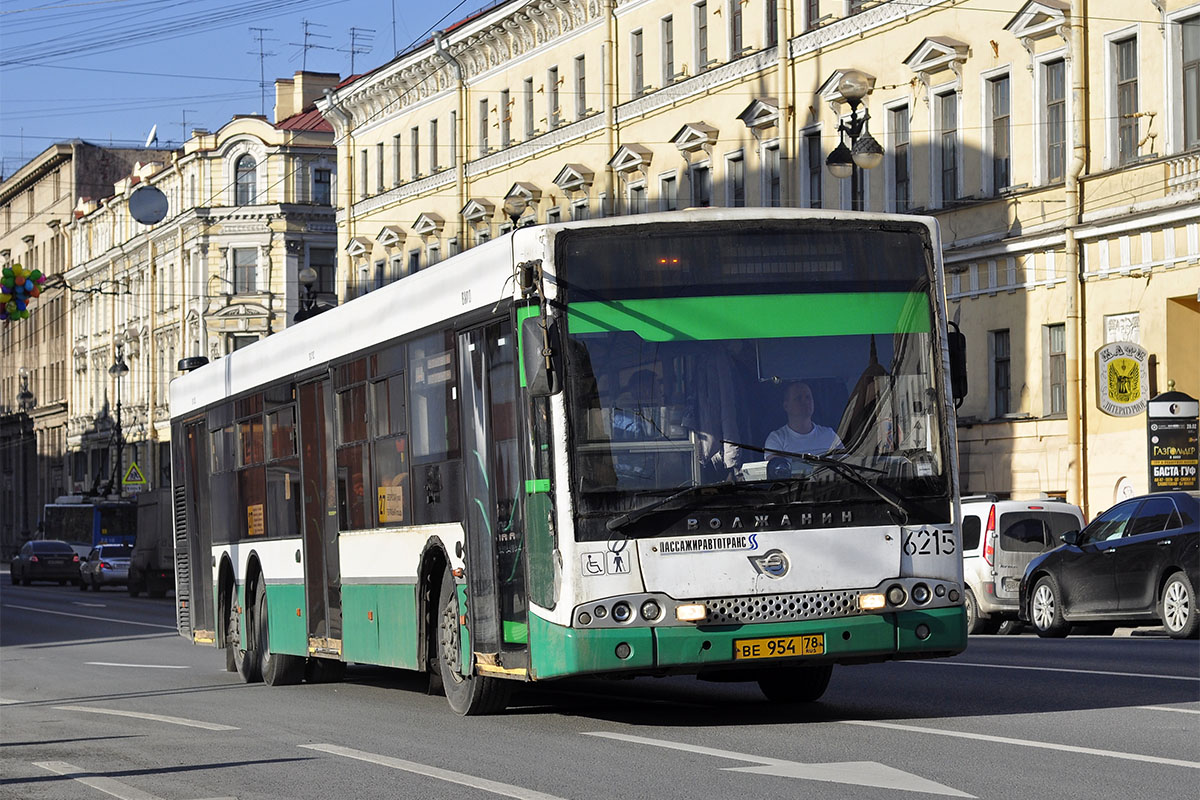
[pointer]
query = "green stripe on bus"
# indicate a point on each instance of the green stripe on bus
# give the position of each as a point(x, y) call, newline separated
point(755, 316)
point(537, 485)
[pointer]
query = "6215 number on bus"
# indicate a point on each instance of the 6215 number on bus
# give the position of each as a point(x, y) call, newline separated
point(929, 542)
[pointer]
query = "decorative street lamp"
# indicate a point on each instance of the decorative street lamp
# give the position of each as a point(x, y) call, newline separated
point(864, 151)
point(118, 370)
point(25, 397)
point(310, 306)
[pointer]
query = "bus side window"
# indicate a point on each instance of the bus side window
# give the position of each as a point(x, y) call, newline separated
point(390, 451)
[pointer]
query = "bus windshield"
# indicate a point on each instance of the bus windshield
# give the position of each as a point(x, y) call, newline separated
point(726, 359)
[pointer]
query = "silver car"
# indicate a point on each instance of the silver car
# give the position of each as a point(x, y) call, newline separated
point(106, 565)
point(1000, 537)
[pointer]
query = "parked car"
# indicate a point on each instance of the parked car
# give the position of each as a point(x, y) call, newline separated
point(1000, 537)
point(1137, 563)
point(45, 560)
point(106, 565)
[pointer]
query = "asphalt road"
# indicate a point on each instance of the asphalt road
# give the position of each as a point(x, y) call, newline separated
point(100, 698)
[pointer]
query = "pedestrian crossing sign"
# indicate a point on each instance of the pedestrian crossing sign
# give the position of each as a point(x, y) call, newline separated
point(133, 476)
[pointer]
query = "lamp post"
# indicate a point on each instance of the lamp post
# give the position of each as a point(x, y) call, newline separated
point(309, 305)
point(119, 370)
point(864, 152)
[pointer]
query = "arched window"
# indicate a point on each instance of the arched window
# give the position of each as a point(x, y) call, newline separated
point(246, 178)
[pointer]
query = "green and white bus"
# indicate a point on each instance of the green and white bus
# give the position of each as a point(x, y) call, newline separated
point(547, 457)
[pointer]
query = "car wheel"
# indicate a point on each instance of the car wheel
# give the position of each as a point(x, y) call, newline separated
point(976, 623)
point(1010, 626)
point(469, 695)
point(1178, 608)
point(12, 574)
point(277, 669)
point(796, 685)
point(1045, 610)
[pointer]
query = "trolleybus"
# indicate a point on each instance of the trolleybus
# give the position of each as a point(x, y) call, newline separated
point(549, 456)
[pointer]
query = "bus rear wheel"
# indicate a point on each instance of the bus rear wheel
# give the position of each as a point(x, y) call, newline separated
point(469, 695)
point(245, 662)
point(796, 684)
point(278, 669)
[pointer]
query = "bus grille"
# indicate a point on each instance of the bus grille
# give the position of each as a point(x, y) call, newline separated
point(781, 607)
point(183, 572)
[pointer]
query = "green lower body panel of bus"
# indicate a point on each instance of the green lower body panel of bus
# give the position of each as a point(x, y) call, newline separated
point(287, 618)
point(379, 624)
point(558, 651)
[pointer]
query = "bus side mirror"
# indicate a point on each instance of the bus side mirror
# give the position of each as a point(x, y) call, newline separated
point(539, 357)
point(958, 363)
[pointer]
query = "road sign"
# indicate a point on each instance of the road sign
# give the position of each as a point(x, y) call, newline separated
point(133, 476)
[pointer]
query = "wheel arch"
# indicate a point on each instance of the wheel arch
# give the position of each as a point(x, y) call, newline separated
point(435, 560)
point(226, 586)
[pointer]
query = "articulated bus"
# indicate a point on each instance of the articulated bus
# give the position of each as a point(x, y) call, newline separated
point(710, 442)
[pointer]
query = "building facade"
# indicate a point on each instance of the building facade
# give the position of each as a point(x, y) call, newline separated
point(248, 208)
point(36, 203)
point(1058, 144)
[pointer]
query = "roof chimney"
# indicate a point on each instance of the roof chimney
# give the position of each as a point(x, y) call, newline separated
point(302, 90)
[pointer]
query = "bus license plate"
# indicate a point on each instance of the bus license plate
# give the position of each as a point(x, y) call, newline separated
point(809, 644)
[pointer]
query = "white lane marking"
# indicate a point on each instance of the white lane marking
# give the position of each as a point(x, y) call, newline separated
point(88, 616)
point(495, 787)
point(1069, 748)
point(5, 702)
point(191, 723)
point(857, 773)
point(1060, 669)
point(90, 605)
point(137, 666)
point(106, 785)
point(1168, 708)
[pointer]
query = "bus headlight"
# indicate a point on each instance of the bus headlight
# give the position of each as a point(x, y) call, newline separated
point(621, 612)
point(651, 610)
point(871, 602)
point(896, 595)
point(691, 612)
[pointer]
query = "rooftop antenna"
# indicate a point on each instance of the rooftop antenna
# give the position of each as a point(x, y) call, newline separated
point(306, 46)
point(363, 36)
point(262, 57)
point(186, 111)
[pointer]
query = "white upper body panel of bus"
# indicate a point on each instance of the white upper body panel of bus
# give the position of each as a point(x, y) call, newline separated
point(472, 280)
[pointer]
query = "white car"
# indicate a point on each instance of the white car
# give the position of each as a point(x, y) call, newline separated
point(1000, 537)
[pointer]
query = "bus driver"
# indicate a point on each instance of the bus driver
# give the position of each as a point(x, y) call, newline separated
point(801, 434)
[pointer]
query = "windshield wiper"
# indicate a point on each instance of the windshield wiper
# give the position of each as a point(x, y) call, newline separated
point(852, 472)
point(618, 522)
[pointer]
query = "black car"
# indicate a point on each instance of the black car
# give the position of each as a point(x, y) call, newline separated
point(1138, 562)
point(45, 560)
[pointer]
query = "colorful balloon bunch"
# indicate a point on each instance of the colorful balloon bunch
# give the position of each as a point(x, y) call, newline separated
point(19, 288)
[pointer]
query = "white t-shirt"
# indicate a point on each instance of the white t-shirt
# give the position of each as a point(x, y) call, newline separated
point(818, 441)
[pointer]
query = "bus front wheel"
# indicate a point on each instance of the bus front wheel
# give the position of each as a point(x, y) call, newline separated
point(469, 695)
point(796, 684)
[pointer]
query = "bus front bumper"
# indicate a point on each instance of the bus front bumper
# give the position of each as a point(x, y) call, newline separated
point(558, 651)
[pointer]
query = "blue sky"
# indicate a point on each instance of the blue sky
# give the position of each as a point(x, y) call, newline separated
point(107, 71)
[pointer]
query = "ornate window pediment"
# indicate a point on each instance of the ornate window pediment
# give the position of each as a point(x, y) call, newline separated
point(574, 178)
point(630, 158)
point(428, 225)
point(694, 136)
point(938, 53)
point(478, 210)
point(358, 245)
point(1038, 19)
point(524, 191)
point(762, 112)
point(390, 236)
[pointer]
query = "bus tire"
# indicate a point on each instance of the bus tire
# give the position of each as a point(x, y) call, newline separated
point(470, 695)
point(796, 684)
point(278, 669)
point(245, 662)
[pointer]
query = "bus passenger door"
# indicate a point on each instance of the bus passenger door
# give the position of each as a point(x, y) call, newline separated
point(495, 531)
point(193, 560)
point(322, 577)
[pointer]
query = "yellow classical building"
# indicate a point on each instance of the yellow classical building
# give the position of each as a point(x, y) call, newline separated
point(1058, 143)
